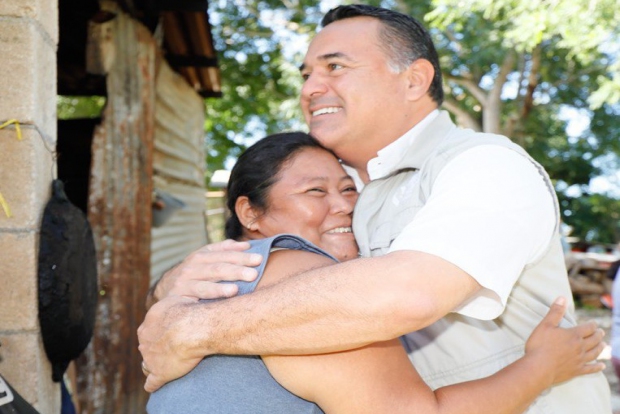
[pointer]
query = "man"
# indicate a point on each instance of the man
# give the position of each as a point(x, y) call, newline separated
point(458, 232)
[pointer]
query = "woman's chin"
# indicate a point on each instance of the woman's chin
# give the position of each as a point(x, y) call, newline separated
point(346, 254)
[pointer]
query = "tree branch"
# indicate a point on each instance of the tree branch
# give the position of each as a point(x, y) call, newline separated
point(528, 101)
point(513, 119)
point(476, 91)
point(463, 118)
point(492, 111)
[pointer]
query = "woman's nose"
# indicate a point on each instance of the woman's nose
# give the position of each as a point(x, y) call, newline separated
point(342, 204)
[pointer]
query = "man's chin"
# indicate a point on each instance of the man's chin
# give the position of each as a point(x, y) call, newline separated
point(328, 137)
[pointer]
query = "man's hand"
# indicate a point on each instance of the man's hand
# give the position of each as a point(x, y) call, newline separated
point(197, 275)
point(565, 352)
point(166, 339)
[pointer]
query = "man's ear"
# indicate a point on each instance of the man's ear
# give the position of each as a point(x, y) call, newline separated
point(420, 75)
point(246, 213)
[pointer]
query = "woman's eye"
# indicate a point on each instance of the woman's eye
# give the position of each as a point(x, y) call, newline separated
point(305, 76)
point(317, 190)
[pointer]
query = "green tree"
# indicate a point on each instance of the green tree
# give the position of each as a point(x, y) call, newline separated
point(522, 69)
point(260, 79)
point(525, 69)
point(78, 107)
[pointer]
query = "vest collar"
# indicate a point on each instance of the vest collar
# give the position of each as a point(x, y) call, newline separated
point(416, 149)
point(427, 141)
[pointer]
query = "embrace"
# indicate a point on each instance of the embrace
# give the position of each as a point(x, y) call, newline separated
point(451, 306)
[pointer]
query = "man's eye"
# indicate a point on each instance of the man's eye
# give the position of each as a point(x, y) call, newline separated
point(319, 190)
point(334, 66)
point(350, 189)
point(305, 76)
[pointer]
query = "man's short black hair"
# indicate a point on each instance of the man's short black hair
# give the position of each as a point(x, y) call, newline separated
point(404, 38)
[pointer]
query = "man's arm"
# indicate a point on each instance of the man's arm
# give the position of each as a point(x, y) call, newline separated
point(335, 308)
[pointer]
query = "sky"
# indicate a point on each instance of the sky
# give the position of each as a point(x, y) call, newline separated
point(578, 122)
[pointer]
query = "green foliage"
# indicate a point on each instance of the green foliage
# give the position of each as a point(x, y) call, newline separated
point(561, 61)
point(76, 107)
point(580, 27)
point(525, 69)
point(587, 209)
point(260, 80)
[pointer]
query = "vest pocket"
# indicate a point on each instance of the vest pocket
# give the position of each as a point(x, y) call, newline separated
point(389, 227)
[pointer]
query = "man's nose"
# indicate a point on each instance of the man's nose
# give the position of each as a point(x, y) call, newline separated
point(313, 85)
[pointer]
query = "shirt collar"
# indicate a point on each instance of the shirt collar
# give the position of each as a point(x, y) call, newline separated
point(388, 157)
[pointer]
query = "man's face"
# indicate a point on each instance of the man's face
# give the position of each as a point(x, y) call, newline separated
point(351, 99)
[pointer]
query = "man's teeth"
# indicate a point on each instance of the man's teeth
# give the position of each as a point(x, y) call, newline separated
point(322, 111)
point(341, 230)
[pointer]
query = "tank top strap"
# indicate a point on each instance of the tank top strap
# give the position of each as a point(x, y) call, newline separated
point(264, 247)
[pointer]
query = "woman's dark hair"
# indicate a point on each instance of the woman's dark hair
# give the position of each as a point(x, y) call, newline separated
point(404, 39)
point(257, 169)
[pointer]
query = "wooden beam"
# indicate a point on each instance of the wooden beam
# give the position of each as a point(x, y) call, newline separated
point(195, 61)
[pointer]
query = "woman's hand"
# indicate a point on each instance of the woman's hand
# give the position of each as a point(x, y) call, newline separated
point(197, 275)
point(565, 352)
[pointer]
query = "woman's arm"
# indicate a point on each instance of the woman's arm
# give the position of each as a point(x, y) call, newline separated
point(379, 378)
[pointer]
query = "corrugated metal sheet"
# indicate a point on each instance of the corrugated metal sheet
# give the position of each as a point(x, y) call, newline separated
point(119, 210)
point(187, 42)
point(178, 168)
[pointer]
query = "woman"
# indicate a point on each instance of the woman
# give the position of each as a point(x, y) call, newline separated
point(290, 183)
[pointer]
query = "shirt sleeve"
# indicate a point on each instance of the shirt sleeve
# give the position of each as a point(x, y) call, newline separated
point(490, 213)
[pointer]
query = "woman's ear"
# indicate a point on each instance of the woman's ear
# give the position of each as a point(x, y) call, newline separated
point(246, 213)
point(420, 75)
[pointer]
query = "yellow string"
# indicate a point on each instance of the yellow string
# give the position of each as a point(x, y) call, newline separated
point(17, 128)
point(5, 206)
point(3, 203)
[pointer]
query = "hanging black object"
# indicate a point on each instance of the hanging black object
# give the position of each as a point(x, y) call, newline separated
point(67, 281)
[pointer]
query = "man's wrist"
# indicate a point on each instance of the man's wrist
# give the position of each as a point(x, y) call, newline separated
point(200, 339)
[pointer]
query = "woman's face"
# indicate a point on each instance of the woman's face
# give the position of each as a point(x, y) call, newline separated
point(313, 198)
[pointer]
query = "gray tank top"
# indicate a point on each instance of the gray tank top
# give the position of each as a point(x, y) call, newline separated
point(223, 384)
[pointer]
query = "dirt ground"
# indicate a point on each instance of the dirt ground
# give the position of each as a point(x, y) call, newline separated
point(603, 318)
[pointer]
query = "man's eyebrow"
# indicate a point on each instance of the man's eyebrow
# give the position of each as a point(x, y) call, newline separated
point(327, 56)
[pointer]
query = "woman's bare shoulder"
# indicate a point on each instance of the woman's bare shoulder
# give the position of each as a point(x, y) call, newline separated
point(288, 262)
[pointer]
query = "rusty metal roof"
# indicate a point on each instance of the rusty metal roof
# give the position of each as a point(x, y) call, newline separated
point(187, 43)
point(188, 47)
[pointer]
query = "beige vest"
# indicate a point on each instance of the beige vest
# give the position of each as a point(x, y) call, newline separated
point(458, 348)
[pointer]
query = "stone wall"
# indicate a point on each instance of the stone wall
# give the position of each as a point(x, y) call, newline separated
point(28, 42)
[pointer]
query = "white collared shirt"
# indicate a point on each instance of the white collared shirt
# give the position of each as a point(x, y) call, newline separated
point(486, 194)
point(386, 158)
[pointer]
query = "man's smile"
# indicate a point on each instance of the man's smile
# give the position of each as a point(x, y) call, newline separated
point(328, 110)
